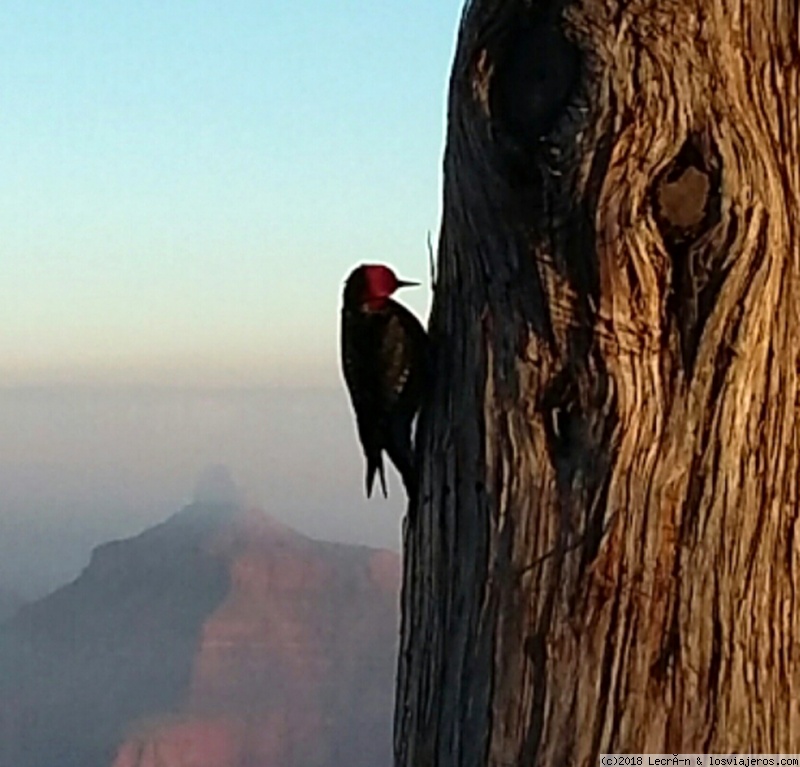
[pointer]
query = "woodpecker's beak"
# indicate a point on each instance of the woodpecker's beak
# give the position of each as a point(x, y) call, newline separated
point(406, 284)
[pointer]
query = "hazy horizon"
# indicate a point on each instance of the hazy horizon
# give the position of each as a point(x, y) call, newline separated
point(81, 465)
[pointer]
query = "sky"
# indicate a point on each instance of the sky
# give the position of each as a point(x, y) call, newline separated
point(186, 185)
point(185, 188)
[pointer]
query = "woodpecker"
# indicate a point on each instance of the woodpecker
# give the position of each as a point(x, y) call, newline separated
point(384, 353)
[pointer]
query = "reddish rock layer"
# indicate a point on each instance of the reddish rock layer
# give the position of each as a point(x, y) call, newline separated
point(294, 667)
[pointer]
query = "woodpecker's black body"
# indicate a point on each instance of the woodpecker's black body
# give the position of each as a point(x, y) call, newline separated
point(384, 359)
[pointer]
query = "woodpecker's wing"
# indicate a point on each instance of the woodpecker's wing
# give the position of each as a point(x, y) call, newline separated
point(405, 356)
point(404, 352)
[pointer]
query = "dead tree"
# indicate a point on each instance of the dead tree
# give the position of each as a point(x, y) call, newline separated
point(605, 551)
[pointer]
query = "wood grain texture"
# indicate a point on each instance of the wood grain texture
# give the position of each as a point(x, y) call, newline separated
point(604, 556)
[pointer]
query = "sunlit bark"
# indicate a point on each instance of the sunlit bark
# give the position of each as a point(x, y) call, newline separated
point(604, 555)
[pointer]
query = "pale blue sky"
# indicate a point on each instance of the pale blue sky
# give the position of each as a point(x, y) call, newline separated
point(186, 184)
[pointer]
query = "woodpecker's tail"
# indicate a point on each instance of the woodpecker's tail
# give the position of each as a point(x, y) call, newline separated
point(375, 465)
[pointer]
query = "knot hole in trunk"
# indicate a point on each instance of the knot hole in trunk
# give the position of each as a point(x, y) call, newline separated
point(686, 201)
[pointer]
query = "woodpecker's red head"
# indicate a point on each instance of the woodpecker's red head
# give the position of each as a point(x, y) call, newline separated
point(372, 284)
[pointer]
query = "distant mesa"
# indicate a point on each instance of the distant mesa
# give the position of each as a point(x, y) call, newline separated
point(215, 486)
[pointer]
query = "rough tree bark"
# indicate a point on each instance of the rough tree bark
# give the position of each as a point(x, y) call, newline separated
point(604, 555)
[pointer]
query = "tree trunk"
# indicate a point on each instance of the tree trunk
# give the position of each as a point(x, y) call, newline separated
point(604, 554)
